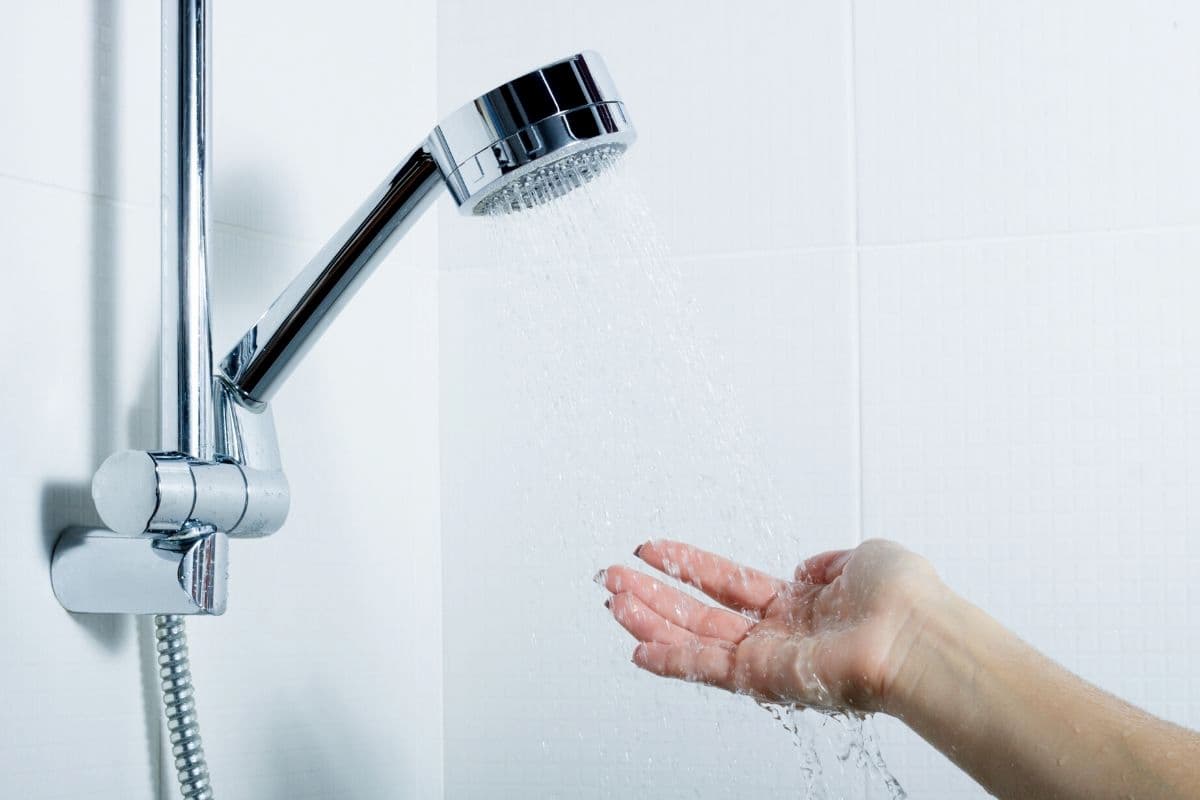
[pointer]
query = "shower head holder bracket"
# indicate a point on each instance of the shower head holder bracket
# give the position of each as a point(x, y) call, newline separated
point(169, 518)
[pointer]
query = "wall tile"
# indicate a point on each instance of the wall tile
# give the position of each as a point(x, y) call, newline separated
point(311, 109)
point(986, 119)
point(324, 678)
point(585, 408)
point(80, 97)
point(315, 107)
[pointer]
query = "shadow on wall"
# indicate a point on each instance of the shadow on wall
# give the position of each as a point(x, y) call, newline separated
point(247, 268)
point(66, 503)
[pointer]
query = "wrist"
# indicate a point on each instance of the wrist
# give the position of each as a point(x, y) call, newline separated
point(930, 651)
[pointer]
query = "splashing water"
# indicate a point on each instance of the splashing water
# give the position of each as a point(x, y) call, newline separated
point(635, 428)
point(851, 738)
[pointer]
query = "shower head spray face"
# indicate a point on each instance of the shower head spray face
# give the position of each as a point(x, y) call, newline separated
point(533, 139)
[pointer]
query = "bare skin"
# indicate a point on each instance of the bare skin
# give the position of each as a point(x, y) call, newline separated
point(874, 629)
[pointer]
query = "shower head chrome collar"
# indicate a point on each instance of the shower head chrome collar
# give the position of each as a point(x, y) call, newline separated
point(517, 130)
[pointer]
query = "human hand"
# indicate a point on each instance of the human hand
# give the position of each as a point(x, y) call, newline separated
point(835, 637)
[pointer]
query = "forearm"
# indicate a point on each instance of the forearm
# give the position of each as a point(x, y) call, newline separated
point(1023, 726)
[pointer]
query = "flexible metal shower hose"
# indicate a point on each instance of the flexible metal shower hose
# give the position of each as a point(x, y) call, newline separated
point(180, 704)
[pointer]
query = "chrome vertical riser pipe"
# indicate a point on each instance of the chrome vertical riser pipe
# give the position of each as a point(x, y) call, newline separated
point(186, 422)
point(185, 360)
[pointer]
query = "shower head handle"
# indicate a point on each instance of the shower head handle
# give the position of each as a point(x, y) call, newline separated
point(268, 352)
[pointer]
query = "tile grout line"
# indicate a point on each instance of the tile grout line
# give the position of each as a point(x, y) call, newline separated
point(440, 535)
point(123, 204)
point(855, 245)
point(100, 196)
point(856, 267)
point(1042, 236)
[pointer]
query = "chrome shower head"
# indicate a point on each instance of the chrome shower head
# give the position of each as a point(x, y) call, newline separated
point(534, 138)
point(522, 144)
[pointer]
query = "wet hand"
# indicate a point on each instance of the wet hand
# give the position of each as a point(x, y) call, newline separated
point(834, 637)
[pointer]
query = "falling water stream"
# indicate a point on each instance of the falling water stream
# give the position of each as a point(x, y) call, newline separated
point(639, 430)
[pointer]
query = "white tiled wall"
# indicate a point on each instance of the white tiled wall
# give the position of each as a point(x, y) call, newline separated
point(942, 255)
point(981, 119)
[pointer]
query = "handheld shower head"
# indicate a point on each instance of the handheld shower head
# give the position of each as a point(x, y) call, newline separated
point(523, 144)
point(534, 138)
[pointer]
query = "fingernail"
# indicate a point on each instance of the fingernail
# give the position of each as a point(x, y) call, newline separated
point(637, 551)
point(608, 603)
point(599, 577)
point(637, 650)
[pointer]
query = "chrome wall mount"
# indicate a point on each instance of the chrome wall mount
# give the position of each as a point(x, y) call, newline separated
point(218, 472)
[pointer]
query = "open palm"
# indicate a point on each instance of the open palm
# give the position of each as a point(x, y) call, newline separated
point(834, 637)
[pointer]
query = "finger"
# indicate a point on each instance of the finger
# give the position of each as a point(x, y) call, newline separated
point(824, 567)
point(648, 626)
point(676, 607)
point(730, 584)
point(712, 664)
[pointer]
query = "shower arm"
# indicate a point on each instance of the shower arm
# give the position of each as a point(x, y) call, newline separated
point(256, 367)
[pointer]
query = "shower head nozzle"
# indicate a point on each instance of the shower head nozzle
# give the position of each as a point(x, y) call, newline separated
point(534, 138)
